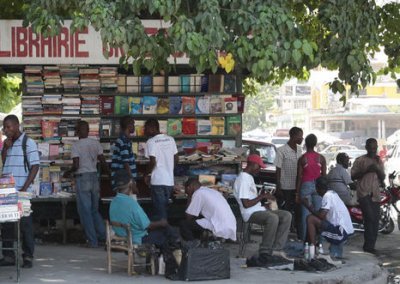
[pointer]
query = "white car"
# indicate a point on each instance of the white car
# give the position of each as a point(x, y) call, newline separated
point(330, 151)
point(353, 154)
point(393, 162)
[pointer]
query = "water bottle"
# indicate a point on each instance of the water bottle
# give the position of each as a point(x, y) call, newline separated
point(312, 251)
point(306, 252)
point(320, 249)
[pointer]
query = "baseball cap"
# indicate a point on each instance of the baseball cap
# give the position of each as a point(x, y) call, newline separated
point(121, 178)
point(254, 158)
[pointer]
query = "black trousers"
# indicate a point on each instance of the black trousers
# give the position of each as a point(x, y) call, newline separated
point(190, 230)
point(371, 215)
point(8, 233)
point(289, 204)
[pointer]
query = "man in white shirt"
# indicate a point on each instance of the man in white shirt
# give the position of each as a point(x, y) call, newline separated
point(213, 207)
point(276, 223)
point(163, 154)
point(332, 220)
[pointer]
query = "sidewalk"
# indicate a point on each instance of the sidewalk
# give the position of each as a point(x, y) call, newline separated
point(74, 264)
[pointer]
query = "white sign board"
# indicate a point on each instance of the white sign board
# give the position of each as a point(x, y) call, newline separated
point(21, 46)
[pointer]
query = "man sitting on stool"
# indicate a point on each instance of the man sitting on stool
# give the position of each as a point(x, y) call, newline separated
point(215, 210)
point(332, 220)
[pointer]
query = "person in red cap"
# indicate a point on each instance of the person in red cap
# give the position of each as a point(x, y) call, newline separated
point(276, 222)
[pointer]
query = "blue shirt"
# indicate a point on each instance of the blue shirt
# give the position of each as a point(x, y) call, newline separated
point(122, 153)
point(126, 210)
point(15, 161)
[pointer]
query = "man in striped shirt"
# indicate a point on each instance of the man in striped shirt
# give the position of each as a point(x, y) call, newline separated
point(122, 157)
point(14, 163)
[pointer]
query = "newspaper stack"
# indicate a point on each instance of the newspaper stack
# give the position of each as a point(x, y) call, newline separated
point(24, 200)
point(10, 209)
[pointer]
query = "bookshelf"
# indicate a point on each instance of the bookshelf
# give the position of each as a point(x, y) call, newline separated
point(202, 112)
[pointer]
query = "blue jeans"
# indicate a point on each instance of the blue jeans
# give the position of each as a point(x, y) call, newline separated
point(308, 191)
point(160, 195)
point(87, 199)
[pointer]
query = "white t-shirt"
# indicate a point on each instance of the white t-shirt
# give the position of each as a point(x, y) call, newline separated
point(337, 211)
point(163, 148)
point(87, 150)
point(218, 216)
point(245, 188)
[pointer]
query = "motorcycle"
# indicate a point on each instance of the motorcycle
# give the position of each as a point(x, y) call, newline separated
point(395, 195)
point(386, 223)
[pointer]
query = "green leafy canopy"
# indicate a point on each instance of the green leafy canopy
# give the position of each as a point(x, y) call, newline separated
point(270, 40)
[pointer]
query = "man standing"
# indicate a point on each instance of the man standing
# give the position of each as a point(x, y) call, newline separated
point(276, 223)
point(216, 213)
point(85, 154)
point(122, 157)
point(23, 164)
point(339, 179)
point(163, 154)
point(286, 160)
point(369, 173)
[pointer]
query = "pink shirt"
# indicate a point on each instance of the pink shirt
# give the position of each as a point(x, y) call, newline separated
point(312, 166)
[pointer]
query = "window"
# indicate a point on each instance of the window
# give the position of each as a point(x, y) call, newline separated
point(303, 90)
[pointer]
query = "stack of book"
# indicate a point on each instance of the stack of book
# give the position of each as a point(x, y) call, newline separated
point(90, 104)
point(52, 104)
point(52, 79)
point(70, 78)
point(94, 126)
point(33, 80)
point(32, 127)
point(71, 104)
point(108, 79)
point(24, 199)
point(32, 105)
point(9, 209)
point(89, 80)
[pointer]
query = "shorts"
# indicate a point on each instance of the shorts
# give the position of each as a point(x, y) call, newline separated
point(333, 234)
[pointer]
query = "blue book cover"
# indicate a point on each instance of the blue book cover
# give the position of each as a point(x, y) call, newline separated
point(149, 105)
point(146, 84)
point(175, 105)
point(135, 105)
point(229, 84)
point(204, 84)
point(185, 83)
point(46, 189)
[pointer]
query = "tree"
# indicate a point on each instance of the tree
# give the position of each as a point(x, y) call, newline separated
point(269, 40)
point(10, 92)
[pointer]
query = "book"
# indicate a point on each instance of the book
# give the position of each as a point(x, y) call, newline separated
point(185, 83)
point(203, 105)
point(189, 126)
point(163, 126)
point(204, 84)
point(107, 105)
point(188, 105)
point(124, 105)
point(240, 102)
point(7, 190)
point(43, 149)
point(146, 84)
point(162, 105)
point(230, 105)
point(48, 128)
point(121, 82)
point(215, 104)
point(229, 83)
point(173, 84)
point(132, 84)
point(215, 83)
point(135, 105)
point(139, 128)
point(217, 125)
point(46, 188)
point(234, 125)
point(174, 126)
point(158, 84)
point(54, 151)
point(175, 105)
point(203, 127)
point(207, 180)
point(149, 105)
point(195, 83)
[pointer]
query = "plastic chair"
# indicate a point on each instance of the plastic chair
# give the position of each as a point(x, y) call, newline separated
point(117, 243)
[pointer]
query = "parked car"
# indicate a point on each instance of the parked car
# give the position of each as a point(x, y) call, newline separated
point(353, 154)
point(279, 141)
point(330, 151)
point(267, 152)
point(393, 162)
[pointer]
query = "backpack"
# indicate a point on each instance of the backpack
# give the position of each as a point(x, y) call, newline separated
point(26, 161)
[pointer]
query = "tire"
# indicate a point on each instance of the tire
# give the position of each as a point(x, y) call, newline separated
point(389, 228)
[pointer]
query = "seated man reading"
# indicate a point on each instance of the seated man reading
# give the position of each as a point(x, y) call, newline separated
point(276, 222)
point(126, 210)
point(332, 220)
point(216, 214)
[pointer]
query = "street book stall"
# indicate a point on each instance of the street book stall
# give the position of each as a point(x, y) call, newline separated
point(13, 206)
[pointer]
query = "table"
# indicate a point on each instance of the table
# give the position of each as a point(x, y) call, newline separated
point(64, 202)
point(15, 249)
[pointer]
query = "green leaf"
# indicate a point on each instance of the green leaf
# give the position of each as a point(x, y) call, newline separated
point(297, 44)
point(296, 55)
point(307, 49)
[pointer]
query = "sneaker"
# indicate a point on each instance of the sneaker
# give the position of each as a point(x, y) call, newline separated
point(330, 259)
point(303, 265)
point(7, 262)
point(27, 263)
